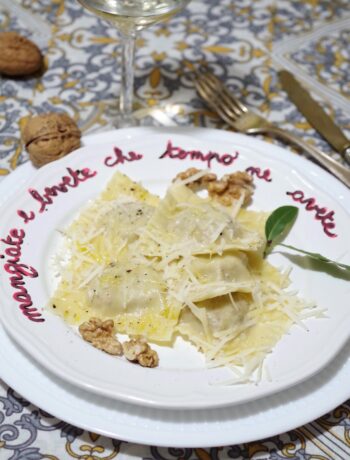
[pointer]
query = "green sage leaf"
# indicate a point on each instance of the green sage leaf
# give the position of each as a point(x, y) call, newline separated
point(278, 224)
point(276, 227)
point(319, 257)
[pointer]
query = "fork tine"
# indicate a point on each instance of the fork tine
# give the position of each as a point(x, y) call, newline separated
point(206, 82)
point(218, 97)
point(210, 92)
point(210, 96)
point(215, 82)
point(215, 103)
point(226, 115)
point(224, 109)
point(216, 88)
point(211, 77)
point(236, 102)
point(206, 91)
point(227, 100)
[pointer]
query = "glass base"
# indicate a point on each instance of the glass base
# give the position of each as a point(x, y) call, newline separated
point(116, 120)
point(106, 116)
point(126, 121)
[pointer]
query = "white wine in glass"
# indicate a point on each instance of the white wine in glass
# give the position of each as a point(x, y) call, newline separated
point(130, 16)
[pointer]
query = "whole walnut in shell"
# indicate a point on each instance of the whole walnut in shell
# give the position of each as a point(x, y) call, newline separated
point(50, 136)
point(18, 55)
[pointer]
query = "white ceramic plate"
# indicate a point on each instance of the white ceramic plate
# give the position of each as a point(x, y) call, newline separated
point(247, 422)
point(181, 381)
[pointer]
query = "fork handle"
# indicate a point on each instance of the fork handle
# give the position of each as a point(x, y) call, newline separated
point(336, 168)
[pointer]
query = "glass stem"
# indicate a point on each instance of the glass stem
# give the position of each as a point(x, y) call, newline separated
point(127, 81)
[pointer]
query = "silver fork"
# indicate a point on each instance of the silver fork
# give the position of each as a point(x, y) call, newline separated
point(237, 115)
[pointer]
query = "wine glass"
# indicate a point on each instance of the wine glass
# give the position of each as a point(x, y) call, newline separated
point(130, 16)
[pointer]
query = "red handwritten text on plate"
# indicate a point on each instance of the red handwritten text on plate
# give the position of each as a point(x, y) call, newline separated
point(173, 152)
point(322, 214)
point(26, 216)
point(19, 271)
point(120, 158)
point(261, 174)
point(71, 180)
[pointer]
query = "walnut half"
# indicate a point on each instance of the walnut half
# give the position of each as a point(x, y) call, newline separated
point(202, 182)
point(225, 190)
point(230, 188)
point(137, 350)
point(100, 334)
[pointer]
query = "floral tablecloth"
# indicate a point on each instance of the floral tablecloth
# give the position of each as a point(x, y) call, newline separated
point(244, 42)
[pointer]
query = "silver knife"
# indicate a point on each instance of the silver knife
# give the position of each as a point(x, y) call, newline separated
point(315, 114)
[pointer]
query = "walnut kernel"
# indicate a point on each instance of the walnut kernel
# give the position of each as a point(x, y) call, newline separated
point(231, 186)
point(138, 350)
point(225, 190)
point(148, 359)
point(198, 183)
point(100, 334)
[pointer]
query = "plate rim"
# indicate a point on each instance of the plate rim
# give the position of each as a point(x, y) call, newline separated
point(328, 396)
point(162, 405)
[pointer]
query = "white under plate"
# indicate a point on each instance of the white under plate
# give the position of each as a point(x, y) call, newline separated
point(247, 422)
point(181, 381)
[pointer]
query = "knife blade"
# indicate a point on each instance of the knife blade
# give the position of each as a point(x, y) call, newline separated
point(315, 114)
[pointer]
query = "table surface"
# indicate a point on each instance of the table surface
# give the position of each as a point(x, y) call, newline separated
point(244, 42)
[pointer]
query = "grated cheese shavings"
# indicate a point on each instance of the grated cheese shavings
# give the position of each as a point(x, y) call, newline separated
point(183, 265)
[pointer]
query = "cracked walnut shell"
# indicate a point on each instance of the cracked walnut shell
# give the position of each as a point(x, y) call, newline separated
point(50, 136)
point(18, 55)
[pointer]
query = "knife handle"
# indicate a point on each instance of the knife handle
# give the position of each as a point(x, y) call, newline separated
point(333, 166)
